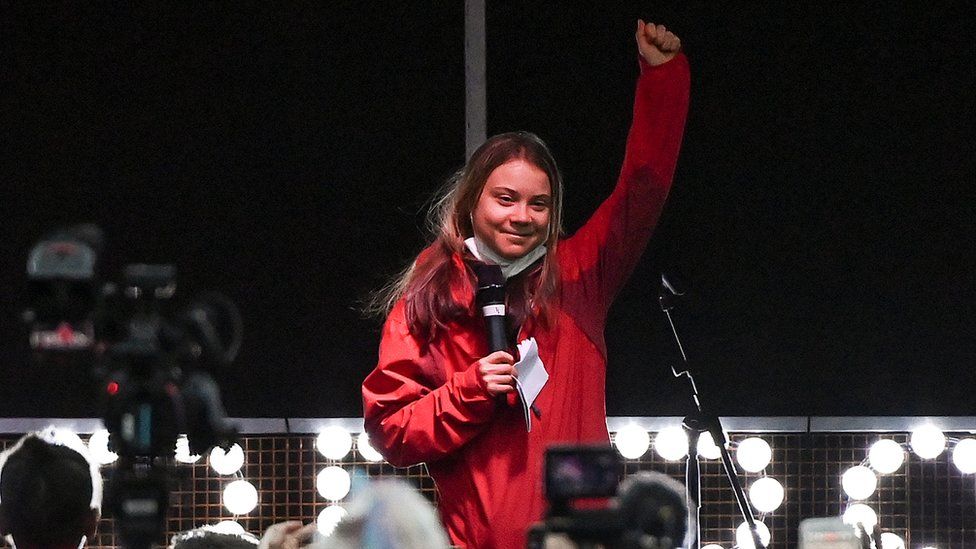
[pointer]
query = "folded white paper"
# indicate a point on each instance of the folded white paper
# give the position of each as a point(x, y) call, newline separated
point(532, 377)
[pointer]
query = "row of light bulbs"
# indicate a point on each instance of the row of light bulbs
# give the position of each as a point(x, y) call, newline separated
point(240, 497)
point(753, 455)
point(887, 456)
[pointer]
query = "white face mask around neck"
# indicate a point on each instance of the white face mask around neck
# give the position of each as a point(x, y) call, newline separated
point(510, 268)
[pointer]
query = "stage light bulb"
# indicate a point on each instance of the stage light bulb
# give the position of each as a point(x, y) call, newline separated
point(98, 447)
point(753, 454)
point(886, 456)
point(860, 513)
point(230, 527)
point(229, 462)
point(743, 536)
point(182, 453)
point(964, 456)
point(333, 483)
point(334, 442)
point(240, 497)
point(632, 441)
point(707, 447)
point(766, 494)
point(927, 442)
point(329, 518)
point(366, 449)
point(859, 482)
point(671, 443)
point(891, 541)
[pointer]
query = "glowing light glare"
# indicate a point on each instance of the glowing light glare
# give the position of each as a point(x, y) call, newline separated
point(334, 442)
point(743, 536)
point(329, 518)
point(766, 494)
point(632, 441)
point(713, 546)
point(671, 443)
point(98, 447)
point(753, 454)
point(231, 527)
point(707, 447)
point(964, 455)
point(333, 483)
point(240, 497)
point(927, 442)
point(229, 462)
point(859, 482)
point(886, 456)
point(182, 453)
point(366, 449)
point(860, 513)
point(891, 541)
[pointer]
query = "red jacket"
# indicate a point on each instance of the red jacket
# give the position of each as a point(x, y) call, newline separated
point(423, 402)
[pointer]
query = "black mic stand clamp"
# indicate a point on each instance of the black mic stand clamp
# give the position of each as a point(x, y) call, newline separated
point(695, 424)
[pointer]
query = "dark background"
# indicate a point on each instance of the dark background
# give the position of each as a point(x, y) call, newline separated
point(283, 154)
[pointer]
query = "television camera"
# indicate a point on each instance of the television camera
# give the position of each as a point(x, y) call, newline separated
point(150, 359)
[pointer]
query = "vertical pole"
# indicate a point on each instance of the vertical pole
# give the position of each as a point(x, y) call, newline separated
point(475, 107)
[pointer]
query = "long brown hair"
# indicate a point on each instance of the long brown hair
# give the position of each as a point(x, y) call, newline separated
point(437, 288)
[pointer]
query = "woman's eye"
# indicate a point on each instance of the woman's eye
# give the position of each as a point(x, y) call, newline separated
point(505, 199)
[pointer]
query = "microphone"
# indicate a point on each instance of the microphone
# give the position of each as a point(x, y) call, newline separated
point(490, 296)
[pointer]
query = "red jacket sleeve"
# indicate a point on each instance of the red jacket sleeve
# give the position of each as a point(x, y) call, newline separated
point(598, 259)
point(418, 404)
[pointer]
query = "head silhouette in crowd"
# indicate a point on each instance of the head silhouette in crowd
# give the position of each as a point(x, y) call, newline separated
point(50, 491)
point(214, 537)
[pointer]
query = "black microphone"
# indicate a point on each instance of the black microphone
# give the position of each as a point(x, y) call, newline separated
point(490, 296)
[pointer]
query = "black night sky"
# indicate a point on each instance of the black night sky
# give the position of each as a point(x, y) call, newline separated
point(283, 153)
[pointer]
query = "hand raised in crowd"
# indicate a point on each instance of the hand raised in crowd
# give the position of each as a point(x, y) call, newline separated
point(287, 535)
point(656, 43)
point(497, 373)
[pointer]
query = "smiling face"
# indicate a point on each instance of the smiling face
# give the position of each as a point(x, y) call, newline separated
point(513, 212)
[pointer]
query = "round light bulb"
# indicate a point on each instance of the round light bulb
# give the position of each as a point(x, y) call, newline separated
point(333, 483)
point(98, 447)
point(329, 518)
point(964, 455)
point(743, 536)
point(860, 513)
point(766, 494)
point(230, 527)
point(334, 442)
point(891, 541)
point(753, 454)
point(182, 453)
point(707, 447)
point(240, 497)
point(886, 456)
point(632, 441)
point(713, 546)
point(229, 462)
point(671, 443)
point(927, 442)
point(366, 449)
point(859, 482)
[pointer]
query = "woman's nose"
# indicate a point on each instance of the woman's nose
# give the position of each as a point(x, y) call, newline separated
point(520, 214)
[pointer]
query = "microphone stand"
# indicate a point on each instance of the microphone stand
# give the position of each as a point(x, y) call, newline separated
point(696, 423)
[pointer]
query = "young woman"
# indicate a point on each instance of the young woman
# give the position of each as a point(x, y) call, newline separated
point(437, 395)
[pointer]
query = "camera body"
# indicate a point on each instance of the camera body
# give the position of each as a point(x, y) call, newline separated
point(150, 360)
point(591, 503)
